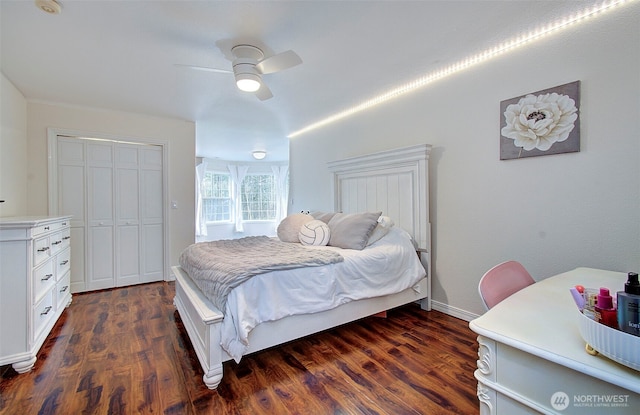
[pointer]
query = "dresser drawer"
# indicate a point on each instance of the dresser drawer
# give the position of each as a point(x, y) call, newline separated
point(63, 290)
point(41, 250)
point(51, 227)
point(39, 230)
point(43, 279)
point(60, 240)
point(66, 238)
point(63, 263)
point(43, 312)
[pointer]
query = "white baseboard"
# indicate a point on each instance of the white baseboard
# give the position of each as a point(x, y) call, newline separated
point(453, 311)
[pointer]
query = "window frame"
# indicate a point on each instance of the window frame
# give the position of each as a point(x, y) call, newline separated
point(230, 199)
point(273, 201)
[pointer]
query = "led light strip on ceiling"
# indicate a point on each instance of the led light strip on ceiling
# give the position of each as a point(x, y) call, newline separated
point(465, 63)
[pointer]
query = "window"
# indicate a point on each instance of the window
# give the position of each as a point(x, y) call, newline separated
point(216, 197)
point(259, 197)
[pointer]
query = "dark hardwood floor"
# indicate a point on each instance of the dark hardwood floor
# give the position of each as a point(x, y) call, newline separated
point(125, 351)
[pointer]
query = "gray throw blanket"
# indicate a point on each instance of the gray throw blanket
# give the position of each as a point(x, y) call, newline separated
point(218, 266)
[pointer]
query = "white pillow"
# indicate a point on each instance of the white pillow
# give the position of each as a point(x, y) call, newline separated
point(382, 228)
point(290, 226)
point(315, 232)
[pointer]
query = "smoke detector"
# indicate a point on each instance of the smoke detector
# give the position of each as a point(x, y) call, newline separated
point(49, 6)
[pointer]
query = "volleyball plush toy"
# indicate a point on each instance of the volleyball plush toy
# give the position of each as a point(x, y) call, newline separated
point(314, 232)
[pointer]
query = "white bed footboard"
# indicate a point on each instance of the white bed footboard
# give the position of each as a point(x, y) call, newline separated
point(203, 322)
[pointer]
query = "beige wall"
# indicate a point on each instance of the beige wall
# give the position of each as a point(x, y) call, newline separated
point(552, 213)
point(180, 136)
point(13, 150)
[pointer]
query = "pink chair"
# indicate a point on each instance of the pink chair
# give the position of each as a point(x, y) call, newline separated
point(501, 281)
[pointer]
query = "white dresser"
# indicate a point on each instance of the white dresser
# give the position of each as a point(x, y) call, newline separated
point(35, 257)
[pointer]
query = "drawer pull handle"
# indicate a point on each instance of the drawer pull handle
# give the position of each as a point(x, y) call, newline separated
point(63, 289)
point(43, 249)
point(65, 262)
point(56, 243)
point(64, 223)
point(66, 237)
point(46, 310)
point(46, 277)
point(46, 228)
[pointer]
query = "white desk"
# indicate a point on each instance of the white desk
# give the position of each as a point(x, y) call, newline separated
point(532, 358)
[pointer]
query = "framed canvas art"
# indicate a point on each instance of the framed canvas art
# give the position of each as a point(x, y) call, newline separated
point(541, 123)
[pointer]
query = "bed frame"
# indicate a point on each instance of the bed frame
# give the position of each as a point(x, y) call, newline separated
point(394, 182)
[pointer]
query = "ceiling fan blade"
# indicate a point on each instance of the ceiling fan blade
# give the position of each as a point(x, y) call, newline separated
point(264, 93)
point(203, 68)
point(279, 62)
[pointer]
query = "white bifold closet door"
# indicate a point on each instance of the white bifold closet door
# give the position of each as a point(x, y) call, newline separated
point(114, 192)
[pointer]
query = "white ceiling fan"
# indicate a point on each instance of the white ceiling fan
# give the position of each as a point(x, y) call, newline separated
point(250, 64)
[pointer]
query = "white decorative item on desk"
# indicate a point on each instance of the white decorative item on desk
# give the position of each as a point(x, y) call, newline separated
point(617, 345)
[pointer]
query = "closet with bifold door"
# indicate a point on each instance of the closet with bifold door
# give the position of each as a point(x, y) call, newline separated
point(114, 192)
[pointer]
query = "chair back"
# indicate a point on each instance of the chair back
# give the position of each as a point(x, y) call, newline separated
point(501, 281)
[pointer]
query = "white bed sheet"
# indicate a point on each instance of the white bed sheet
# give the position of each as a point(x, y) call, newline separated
point(386, 267)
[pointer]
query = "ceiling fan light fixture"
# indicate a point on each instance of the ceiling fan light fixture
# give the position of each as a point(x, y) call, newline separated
point(248, 82)
point(248, 79)
point(259, 154)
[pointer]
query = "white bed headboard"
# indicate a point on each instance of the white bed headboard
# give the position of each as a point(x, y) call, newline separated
point(395, 182)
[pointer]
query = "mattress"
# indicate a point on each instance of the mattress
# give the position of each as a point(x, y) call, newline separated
point(386, 267)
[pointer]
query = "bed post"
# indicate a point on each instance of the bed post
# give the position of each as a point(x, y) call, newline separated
point(213, 377)
point(425, 255)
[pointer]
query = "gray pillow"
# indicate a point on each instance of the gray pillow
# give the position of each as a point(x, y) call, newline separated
point(352, 230)
point(323, 216)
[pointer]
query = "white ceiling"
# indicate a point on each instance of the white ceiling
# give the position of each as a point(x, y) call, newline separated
point(122, 55)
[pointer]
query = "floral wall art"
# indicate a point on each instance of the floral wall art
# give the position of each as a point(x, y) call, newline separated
point(541, 123)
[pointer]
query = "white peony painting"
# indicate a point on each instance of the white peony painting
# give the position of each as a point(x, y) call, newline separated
point(541, 123)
